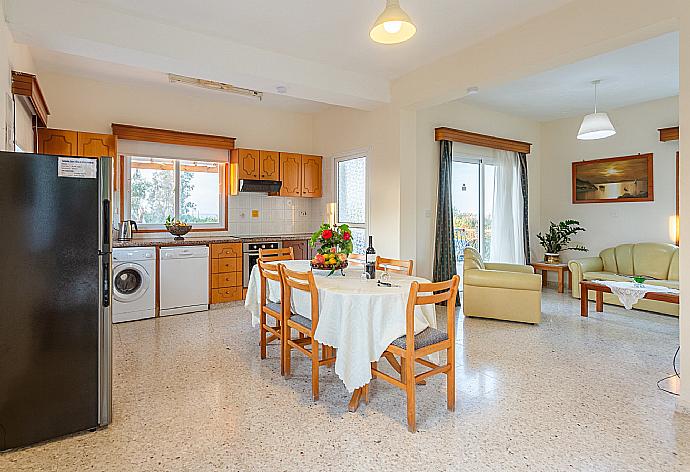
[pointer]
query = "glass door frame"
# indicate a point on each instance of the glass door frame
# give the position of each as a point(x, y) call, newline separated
point(343, 157)
point(480, 161)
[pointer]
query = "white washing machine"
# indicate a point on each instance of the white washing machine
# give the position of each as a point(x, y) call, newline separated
point(134, 283)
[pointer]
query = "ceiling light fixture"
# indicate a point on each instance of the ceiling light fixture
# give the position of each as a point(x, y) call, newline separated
point(212, 85)
point(393, 26)
point(596, 125)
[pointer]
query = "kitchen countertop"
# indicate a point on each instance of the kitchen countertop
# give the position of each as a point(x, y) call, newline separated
point(204, 240)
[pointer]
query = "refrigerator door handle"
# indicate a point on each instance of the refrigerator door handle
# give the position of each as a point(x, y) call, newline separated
point(106, 223)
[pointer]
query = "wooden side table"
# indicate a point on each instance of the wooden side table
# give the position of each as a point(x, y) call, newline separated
point(561, 269)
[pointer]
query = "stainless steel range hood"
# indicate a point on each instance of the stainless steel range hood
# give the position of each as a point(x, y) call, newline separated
point(260, 186)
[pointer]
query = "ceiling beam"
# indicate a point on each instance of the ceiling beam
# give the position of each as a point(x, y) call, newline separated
point(97, 32)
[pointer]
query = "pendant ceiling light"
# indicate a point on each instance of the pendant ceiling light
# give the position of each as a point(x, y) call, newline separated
point(596, 125)
point(393, 25)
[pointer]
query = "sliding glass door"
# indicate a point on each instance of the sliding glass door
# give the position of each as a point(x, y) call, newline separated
point(473, 202)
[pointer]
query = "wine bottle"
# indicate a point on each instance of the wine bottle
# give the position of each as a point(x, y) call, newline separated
point(371, 259)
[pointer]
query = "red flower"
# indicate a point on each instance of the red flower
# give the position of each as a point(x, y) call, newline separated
point(327, 234)
point(346, 235)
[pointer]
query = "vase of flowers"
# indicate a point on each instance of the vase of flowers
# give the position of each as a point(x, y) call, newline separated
point(334, 245)
point(557, 239)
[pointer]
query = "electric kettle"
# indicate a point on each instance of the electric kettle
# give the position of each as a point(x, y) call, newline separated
point(127, 228)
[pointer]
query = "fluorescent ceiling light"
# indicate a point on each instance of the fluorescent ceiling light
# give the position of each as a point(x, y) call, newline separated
point(212, 85)
point(393, 25)
point(596, 125)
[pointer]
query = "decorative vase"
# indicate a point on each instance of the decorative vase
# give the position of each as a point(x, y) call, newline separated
point(552, 258)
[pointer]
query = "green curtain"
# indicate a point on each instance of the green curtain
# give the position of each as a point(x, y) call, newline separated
point(444, 255)
point(522, 163)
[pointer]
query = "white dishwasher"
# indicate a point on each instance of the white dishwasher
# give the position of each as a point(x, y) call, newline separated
point(183, 279)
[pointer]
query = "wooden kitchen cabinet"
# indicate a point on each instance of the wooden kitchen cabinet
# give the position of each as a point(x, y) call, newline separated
point(57, 141)
point(299, 248)
point(226, 272)
point(311, 176)
point(269, 165)
point(65, 142)
point(291, 174)
point(248, 164)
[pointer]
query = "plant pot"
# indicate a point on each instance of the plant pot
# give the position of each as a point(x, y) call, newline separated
point(552, 258)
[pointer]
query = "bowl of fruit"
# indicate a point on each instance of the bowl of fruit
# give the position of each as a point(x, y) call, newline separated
point(330, 261)
point(177, 228)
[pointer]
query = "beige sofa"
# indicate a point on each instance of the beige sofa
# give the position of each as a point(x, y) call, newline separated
point(657, 261)
point(508, 292)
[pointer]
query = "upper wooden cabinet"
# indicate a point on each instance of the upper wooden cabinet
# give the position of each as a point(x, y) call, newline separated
point(95, 145)
point(291, 174)
point(75, 143)
point(57, 141)
point(311, 176)
point(269, 165)
point(248, 164)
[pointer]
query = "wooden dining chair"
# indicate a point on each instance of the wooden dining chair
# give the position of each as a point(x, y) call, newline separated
point(413, 348)
point(358, 260)
point(303, 281)
point(280, 254)
point(394, 265)
point(272, 309)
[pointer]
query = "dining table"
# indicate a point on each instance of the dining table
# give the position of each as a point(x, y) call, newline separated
point(358, 316)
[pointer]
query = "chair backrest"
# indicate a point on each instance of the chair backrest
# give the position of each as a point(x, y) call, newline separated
point(357, 259)
point(268, 271)
point(394, 265)
point(435, 292)
point(280, 254)
point(472, 259)
point(302, 281)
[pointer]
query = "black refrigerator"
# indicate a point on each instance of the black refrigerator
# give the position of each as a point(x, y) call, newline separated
point(55, 296)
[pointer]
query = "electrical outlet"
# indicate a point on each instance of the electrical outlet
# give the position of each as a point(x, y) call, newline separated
point(303, 212)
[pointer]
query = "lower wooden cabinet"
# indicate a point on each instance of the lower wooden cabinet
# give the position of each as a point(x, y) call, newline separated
point(226, 272)
point(299, 248)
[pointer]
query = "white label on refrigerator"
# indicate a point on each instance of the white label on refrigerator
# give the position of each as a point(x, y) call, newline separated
point(77, 167)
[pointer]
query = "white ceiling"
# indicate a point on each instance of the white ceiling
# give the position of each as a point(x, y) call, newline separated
point(48, 61)
point(319, 49)
point(638, 73)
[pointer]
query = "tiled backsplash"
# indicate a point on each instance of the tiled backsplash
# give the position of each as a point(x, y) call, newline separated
point(260, 214)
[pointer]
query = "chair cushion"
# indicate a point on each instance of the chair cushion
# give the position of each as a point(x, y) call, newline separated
point(605, 276)
point(274, 306)
point(624, 259)
point(426, 338)
point(301, 320)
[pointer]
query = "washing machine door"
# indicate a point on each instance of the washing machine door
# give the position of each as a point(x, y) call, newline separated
point(130, 282)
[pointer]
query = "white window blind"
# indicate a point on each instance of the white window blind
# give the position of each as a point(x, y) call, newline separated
point(23, 127)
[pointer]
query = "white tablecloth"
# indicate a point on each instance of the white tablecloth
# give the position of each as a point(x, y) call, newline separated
point(356, 316)
point(630, 293)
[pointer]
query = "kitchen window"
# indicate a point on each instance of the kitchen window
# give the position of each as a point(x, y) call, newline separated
point(352, 197)
point(192, 191)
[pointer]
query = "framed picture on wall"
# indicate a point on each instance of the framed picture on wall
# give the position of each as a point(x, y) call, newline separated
point(615, 179)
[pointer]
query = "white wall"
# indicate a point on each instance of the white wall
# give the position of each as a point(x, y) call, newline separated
point(91, 105)
point(469, 118)
point(609, 224)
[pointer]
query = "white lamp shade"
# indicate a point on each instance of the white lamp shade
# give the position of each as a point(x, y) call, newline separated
point(596, 126)
point(393, 25)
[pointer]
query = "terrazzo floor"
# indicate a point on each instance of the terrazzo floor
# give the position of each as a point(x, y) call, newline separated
point(191, 394)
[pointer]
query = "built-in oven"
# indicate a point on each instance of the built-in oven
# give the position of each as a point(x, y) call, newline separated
point(251, 255)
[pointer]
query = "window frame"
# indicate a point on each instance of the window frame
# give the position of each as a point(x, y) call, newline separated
point(348, 156)
point(126, 188)
point(481, 161)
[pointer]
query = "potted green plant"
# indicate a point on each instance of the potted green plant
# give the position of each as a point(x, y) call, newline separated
point(557, 239)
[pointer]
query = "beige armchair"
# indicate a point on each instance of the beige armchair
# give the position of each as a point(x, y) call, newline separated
point(510, 292)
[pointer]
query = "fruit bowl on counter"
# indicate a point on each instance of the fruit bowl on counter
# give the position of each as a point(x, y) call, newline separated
point(177, 228)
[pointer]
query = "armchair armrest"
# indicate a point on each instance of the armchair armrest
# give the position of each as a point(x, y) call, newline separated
point(509, 267)
point(502, 279)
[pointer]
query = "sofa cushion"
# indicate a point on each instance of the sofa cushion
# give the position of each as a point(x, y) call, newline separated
point(605, 276)
point(673, 270)
point(664, 283)
point(608, 257)
point(624, 259)
point(653, 259)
